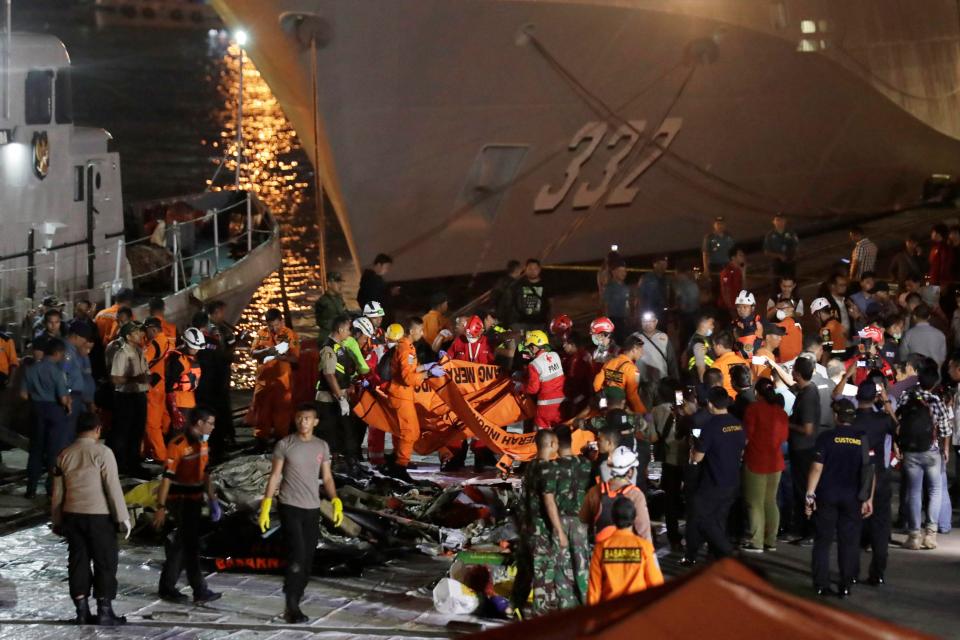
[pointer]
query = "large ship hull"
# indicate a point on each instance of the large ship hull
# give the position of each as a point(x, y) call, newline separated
point(457, 134)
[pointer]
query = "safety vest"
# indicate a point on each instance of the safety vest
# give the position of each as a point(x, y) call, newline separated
point(186, 384)
point(692, 359)
point(749, 333)
point(346, 367)
point(604, 515)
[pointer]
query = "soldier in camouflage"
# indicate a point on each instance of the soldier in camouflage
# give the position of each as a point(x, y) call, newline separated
point(567, 483)
point(535, 554)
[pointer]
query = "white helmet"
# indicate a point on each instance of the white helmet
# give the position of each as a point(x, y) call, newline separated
point(373, 310)
point(194, 339)
point(364, 326)
point(819, 305)
point(622, 460)
point(745, 297)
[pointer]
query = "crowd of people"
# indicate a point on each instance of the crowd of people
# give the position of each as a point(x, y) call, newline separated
point(772, 417)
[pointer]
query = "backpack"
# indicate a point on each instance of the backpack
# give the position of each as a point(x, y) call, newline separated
point(383, 365)
point(916, 425)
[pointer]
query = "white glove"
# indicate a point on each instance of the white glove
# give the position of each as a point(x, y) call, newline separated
point(282, 348)
point(446, 333)
point(344, 406)
point(268, 359)
point(126, 525)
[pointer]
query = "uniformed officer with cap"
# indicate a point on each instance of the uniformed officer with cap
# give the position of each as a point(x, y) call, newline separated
point(840, 492)
point(716, 247)
point(718, 448)
point(876, 419)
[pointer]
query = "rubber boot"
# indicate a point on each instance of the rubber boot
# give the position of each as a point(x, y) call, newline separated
point(106, 616)
point(83, 611)
point(913, 541)
point(929, 539)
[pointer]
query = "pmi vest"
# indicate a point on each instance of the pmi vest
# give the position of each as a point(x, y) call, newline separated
point(548, 366)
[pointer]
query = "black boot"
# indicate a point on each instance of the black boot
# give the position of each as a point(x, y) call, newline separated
point(105, 615)
point(83, 611)
point(292, 613)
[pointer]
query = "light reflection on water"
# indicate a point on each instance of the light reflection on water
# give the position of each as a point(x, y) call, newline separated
point(279, 172)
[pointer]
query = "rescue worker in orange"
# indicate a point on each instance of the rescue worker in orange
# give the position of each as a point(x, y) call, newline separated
point(8, 359)
point(623, 562)
point(831, 330)
point(727, 357)
point(106, 319)
point(185, 483)
point(182, 376)
point(747, 328)
point(277, 349)
point(155, 349)
point(791, 345)
point(623, 373)
point(156, 309)
point(597, 508)
point(405, 376)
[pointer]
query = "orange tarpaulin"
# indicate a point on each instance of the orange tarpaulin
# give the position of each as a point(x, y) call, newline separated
point(725, 600)
point(471, 400)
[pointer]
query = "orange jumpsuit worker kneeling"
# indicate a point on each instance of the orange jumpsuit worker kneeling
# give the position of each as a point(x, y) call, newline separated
point(623, 562)
point(277, 349)
point(404, 378)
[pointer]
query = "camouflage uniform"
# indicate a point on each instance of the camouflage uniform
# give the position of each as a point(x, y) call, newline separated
point(568, 481)
point(534, 530)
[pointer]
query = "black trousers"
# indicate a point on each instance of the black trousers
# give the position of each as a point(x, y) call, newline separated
point(337, 430)
point(51, 434)
point(671, 481)
point(301, 530)
point(91, 538)
point(126, 432)
point(876, 528)
point(800, 462)
point(836, 517)
point(710, 515)
point(182, 545)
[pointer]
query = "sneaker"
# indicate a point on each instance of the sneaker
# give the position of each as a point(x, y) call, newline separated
point(206, 596)
point(769, 547)
point(174, 596)
point(912, 542)
point(751, 548)
point(803, 542)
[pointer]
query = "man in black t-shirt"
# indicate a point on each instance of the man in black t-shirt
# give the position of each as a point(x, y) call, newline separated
point(531, 300)
point(804, 422)
point(718, 450)
point(878, 425)
point(840, 491)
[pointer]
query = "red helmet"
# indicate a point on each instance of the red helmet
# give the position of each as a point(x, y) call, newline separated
point(561, 325)
point(602, 324)
point(474, 328)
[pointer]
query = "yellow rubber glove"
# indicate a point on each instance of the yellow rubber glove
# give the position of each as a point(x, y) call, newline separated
point(337, 511)
point(264, 520)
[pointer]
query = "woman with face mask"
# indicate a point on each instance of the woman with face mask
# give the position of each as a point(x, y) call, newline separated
point(786, 290)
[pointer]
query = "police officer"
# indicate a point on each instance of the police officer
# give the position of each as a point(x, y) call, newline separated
point(300, 461)
point(839, 491)
point(337, 367)
point(875, 417)
point(781, 246)
point(716, 247)
point(45, 385)
point(87, 504)
point(699, 354)
point(329, 306)
point(718, 449)
point(185, 481)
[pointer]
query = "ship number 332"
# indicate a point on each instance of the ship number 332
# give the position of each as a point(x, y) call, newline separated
point(620, 143)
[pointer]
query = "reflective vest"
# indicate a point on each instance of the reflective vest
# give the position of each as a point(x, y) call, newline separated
point(186, 384)
point(604, 516)
point(708, 356)
point(346, 367)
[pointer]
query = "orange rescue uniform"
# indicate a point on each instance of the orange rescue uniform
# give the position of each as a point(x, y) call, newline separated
point(622, 563)
point(186, 467)
point(792, 344)
point(433, 323)
point(106, 321)
point(763, 370)
point(272, 407)
point(834, 337)
point(158, 420)
point(723, 363)
point(621, 372)
point(168, 328)
point(404, 378)
point(8, 354)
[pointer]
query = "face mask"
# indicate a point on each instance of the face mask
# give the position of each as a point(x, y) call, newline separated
point(204, 437)
point(708, 332)
point(897, 336)
point(597, 340)
point(473, 340)
point(781, 314)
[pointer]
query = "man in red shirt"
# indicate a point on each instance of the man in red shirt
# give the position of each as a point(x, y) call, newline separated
point(731, 280)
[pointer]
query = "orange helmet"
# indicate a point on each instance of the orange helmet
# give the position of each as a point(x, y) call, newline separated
point(561, 325)
point(474, 328)
point(602, 324)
